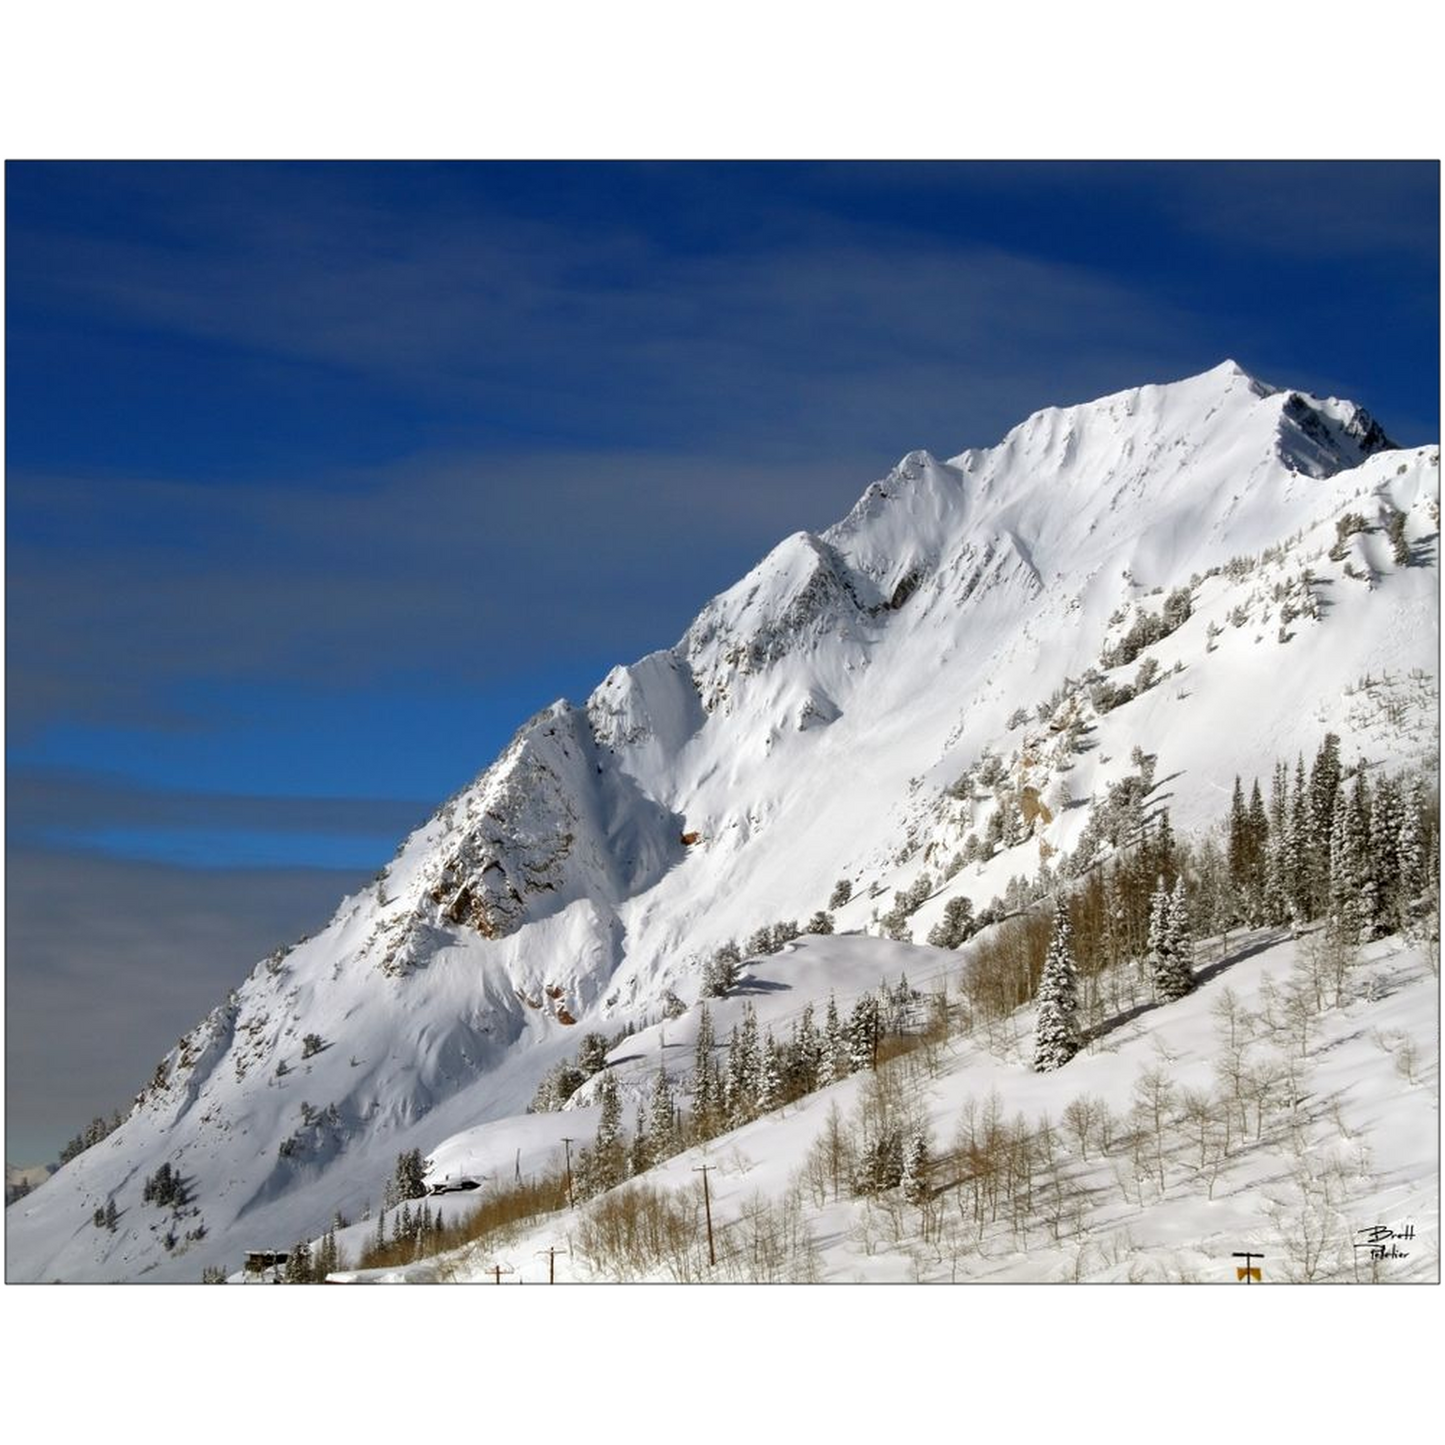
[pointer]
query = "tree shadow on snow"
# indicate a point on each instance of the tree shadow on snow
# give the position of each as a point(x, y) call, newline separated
point(1257, 944)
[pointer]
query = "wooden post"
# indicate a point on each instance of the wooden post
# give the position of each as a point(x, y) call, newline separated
point(497, 1271)
point(567, 1145)
point(551, 1253)
point(707, 1209)
point(1249, 1272)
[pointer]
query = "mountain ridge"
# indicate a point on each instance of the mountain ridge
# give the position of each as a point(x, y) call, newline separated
point(807, 723)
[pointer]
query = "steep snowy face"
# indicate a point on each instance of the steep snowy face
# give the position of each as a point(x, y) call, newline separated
point(802, 596)
point(811, 724)
point(546, 826)
point(1162, 476)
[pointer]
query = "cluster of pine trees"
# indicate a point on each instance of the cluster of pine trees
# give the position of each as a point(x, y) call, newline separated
point(91, 1135)
point(408, 1179)
point(721, 971)
point(752, 1075)
point(1361, 854)
point(305, 1265)
point(1328, 844)
point(566, 1076)
point(166, 1189)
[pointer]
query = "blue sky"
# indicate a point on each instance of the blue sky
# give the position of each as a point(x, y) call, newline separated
point(321, 478)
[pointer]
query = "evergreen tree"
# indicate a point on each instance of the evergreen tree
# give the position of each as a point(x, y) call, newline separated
point(864, 1031)
point(842, 892)
point(807, 1053)
point(821, 922)
point(639, 1153)
point(1159, 936)
point(833, 1065)
point(915, 1166)
point(1411, 847)
point(770, 1081)
point(1386, 816)
point(705, 1085)
point(955, 927)
point(744, 1075)
point(1176, 979)
point(1368, 912)
point(409, 1177)
point(591, 1054)
point(1276, 853)
point(661, 1119)
point(1324, 785)
point(1056, 1033)
point(110, 1214)
point(298, 1264)
point(1325, 782)
point(608, 1153)
point(1352, 884)
point(1238, 842)
point(895, 1006)
point(761, 943)
point(1298, 839)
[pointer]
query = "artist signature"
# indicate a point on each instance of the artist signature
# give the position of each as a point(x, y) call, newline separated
point(1384, 1242)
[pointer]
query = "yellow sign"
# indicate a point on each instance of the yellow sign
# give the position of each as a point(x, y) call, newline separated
point(1251, 1273)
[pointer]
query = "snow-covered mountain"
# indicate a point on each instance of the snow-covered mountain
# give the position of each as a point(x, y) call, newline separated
point(1269, 555)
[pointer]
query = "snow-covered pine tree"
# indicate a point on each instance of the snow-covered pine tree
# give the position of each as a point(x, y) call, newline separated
point(1238, 846)
point(1298, 838)
point(761, 943)
point(608, 1151)
point(720, 972)
point(956, 925)
point(1367, 907)
point(298, 1263)
point(1324, 784)
point(915, 1166)
point(770, 1080)
point(1056, 1032)
point(1178, 979)
point(833, 1064)
point(1352, 884)
point(1158, 930)
point(744, 1076)
point(1276, 854)
point(661, 1119)
point(864, 1028)
point(1411, 847)
point(639, 1152)
point(1386, 816)
point(706, 1095)
point(807, 1051)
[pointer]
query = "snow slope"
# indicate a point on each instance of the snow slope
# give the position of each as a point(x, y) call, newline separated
point(1349, 1140)
point(805, 728)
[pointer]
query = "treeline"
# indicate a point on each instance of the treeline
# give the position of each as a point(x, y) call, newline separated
point(91, 1135)
point(1330, 844)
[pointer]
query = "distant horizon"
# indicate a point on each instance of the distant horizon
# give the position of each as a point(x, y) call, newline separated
point(322, 478)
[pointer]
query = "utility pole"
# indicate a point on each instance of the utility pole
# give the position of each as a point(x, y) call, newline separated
point(551, 1253)
point(707, 1209)
point(497, 1271)
point(567, 1145)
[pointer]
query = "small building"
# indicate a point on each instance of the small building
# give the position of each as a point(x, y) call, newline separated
point(258, 1261)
